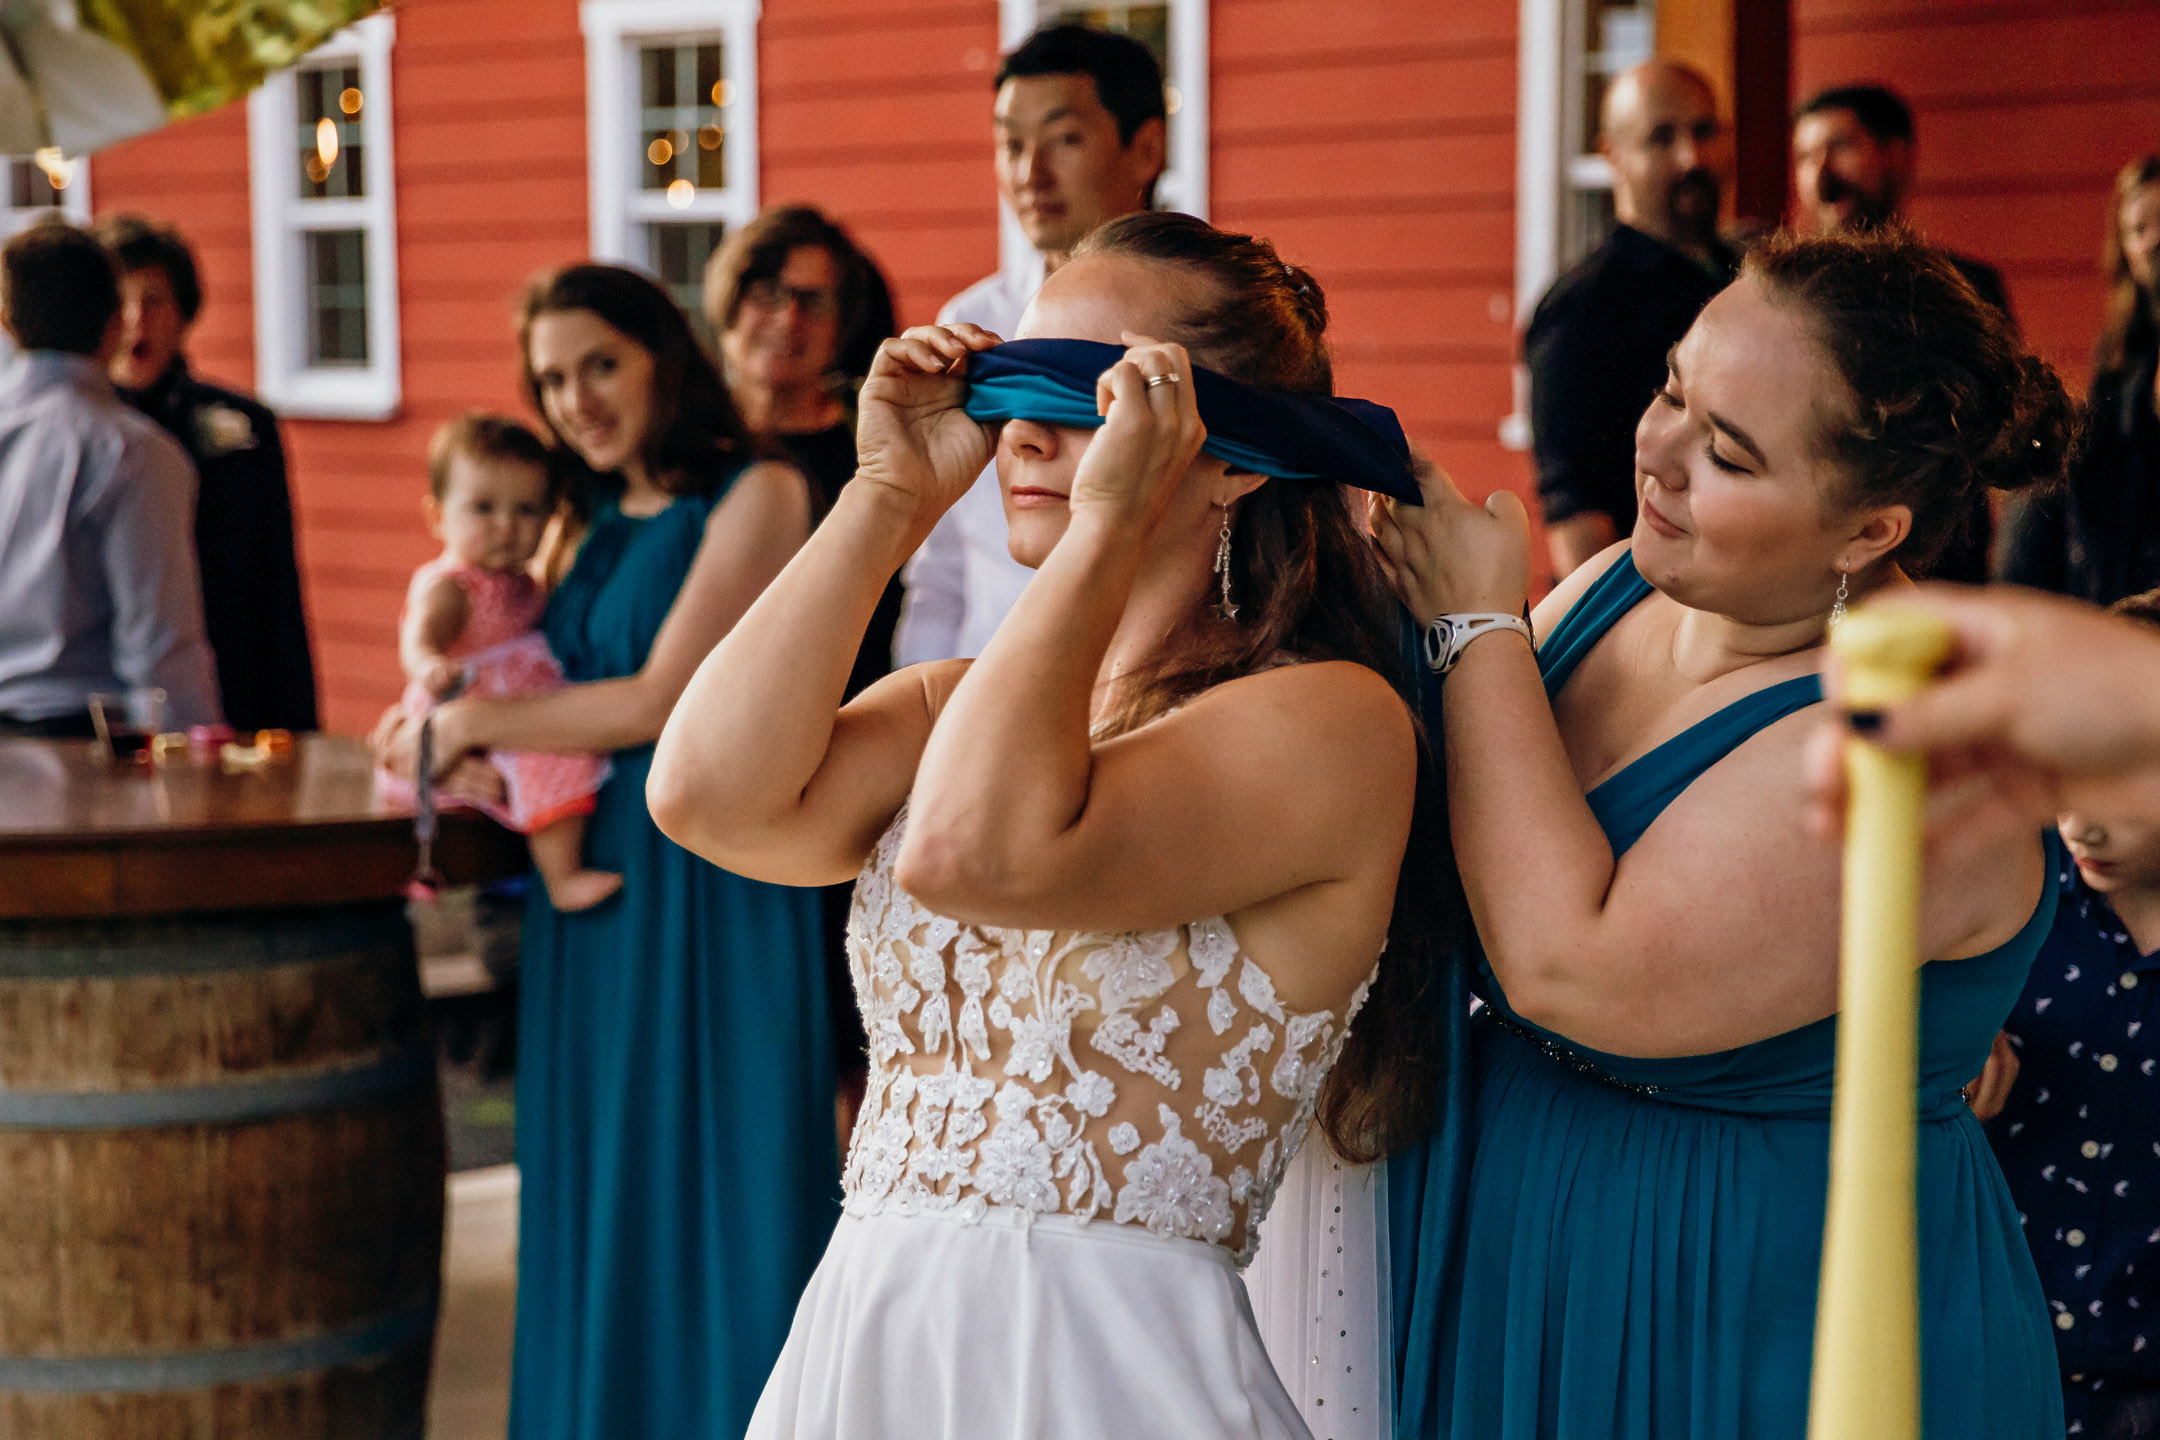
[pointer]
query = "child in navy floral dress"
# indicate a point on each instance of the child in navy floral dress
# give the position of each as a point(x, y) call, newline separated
point(2079, 1136)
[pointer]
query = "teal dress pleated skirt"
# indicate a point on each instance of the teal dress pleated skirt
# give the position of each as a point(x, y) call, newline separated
point(675, 1084)
point(1608, 1248)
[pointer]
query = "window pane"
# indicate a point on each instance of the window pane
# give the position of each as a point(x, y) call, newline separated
point(682, 118)
point(678, 253)
point(327, 138)
point(1621, 35)
point(337, 297)
point(29, 189)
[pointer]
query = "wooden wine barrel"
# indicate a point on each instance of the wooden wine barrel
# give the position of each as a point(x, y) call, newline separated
point(221, 1143)
point(221, 1177)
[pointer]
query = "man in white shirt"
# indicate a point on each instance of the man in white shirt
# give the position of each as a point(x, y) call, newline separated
point(1080, 135)
point(98, 585)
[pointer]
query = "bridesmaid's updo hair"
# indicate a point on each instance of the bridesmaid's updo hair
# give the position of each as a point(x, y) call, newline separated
point(1308, 588)
point(1943, 402)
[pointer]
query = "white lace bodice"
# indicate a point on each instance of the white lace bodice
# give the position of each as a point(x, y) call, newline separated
point(1155, 1078)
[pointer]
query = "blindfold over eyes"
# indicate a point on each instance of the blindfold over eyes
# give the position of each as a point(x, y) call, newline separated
point(1290, 437)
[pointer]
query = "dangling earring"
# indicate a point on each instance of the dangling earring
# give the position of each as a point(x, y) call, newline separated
point(1223, 607)
point(1837, 607)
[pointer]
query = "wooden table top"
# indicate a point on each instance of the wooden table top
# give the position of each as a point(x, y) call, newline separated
point(84, 835)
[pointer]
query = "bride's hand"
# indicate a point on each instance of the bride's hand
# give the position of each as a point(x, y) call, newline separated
point(1149, 436)
point(912, 436)
point(1449, 556)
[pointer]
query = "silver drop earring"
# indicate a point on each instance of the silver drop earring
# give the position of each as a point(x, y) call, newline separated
point(1837, 607)
point(1223, 607)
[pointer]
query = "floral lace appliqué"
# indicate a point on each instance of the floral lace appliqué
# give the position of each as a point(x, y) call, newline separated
point(1046, 1072)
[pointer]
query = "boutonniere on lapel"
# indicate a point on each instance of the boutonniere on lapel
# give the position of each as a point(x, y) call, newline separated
point(223, 430)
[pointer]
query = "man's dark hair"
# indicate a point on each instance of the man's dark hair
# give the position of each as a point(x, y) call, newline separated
point(1881, 111)
point(1127, 79)
point(137, 242)
point(59, 289)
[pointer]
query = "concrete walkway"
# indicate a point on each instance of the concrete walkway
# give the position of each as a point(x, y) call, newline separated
point(471, 1395)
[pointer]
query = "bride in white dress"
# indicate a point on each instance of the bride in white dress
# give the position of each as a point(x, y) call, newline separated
point(1125, 881)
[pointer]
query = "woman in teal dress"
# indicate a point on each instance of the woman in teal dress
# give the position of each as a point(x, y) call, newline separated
point(1624, 1243)
point(675, 1083)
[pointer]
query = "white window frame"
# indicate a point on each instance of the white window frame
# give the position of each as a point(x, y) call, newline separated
point(283, 377)
point(614, 30)
point(74, 206)
point(1185, 185)
point(1553, 59)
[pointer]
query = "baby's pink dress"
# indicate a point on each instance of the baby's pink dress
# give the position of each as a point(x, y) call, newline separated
point(505, 654)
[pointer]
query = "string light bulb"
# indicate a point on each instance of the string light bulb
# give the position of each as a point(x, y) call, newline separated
point(680, 194)
point(59, 170)
point(326, 141)
point(349, 100)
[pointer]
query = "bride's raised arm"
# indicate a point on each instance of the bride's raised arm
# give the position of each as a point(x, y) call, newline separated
point(1292, 778)
point(760, 769)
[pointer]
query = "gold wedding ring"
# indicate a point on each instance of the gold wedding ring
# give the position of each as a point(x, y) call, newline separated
point(1155, 380)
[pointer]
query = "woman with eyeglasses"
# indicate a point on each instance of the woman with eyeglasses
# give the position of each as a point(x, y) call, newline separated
point(800, 310)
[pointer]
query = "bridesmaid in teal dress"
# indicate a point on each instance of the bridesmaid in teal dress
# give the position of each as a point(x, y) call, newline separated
point(1620, 1240)
point(675, 1082)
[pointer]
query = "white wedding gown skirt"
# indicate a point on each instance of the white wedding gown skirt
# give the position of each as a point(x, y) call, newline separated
point(1319, 1288)
point(925, 1327)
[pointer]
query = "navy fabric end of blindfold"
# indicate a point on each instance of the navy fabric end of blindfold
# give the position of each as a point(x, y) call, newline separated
point(1291, 437)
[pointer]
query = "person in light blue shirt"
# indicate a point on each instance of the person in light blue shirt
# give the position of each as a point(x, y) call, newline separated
point(98, 582)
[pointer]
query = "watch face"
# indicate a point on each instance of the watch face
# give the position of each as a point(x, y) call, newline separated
point(1439, 644)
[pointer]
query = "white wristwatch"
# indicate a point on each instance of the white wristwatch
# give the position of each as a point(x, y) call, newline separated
point(1449, 635)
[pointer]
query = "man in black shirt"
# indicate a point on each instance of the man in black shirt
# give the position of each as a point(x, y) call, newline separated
point(1853, 166)
point(1595, 347)
point(243, 517)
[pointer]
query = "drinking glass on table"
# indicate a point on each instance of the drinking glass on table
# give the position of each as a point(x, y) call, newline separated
point(127, 719)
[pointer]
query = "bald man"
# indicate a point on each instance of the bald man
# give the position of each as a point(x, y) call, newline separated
point(1596, 344)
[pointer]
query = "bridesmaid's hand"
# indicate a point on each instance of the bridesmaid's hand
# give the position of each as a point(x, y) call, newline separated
point(396, 740)
point(912, 439)
point(1149, 436)
point(1990, 1090)
point(396, 743)
point(1449, 556)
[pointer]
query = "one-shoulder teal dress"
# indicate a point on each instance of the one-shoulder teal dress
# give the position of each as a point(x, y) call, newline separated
point(675, 1084)
point(1611, 1248)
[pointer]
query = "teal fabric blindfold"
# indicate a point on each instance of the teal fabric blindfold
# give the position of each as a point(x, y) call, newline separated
point(1291, 437)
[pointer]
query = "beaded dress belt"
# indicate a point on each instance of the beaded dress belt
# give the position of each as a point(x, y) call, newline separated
point(1554, 1050)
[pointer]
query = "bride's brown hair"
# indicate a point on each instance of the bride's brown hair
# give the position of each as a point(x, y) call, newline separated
point(1309, 588)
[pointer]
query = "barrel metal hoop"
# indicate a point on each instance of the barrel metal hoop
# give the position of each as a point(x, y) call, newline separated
point(284, 1094)
point(226, 1365)
point(107, 949)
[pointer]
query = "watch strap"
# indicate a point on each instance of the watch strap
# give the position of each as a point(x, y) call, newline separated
point(1449, 635)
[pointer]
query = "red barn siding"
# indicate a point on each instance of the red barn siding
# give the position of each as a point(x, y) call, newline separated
point(1374, 144)
point(2025, 112)
point(878, 112)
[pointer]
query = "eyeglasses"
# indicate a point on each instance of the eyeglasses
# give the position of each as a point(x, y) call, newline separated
point(772, 295)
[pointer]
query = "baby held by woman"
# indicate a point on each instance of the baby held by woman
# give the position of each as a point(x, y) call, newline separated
point(469, 628)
